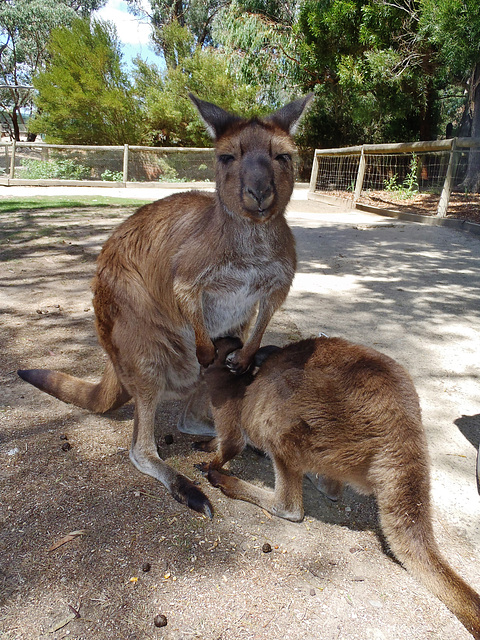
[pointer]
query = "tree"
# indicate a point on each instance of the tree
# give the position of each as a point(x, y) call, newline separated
point(453, 26)
point(376, 75)
point(258, 35)
point(83, 95)
point(351, 53)
point(25, 26)
point(168, 116)
point(196, 15)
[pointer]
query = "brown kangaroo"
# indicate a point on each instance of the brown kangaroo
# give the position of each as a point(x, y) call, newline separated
point(184, 270)
point(347, 412)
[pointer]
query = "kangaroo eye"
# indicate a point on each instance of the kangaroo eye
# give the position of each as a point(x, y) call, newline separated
point(283, 157)
point(226, 158)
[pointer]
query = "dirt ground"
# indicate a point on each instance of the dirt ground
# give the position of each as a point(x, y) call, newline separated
point(91, 549)
point(462, 206)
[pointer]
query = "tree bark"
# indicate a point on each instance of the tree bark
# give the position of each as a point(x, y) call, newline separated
point(16, 126)
point(427, 118)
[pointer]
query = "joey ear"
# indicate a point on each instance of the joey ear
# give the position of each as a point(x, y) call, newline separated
point(288, 117)
point(216, 120)
point(263, 353)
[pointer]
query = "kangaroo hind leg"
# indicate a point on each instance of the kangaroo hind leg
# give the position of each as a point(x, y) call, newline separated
point(144, 455)
point(286, 501)
point(142, 371)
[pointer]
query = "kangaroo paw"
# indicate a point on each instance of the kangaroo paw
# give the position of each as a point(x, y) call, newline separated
point(203, 467)
point(236, 364)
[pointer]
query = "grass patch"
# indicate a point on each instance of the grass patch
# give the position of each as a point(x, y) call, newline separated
point(9, 205)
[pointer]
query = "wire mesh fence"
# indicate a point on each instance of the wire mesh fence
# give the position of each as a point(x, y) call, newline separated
point(32, 162)
point(337, 174)
point(438, 178)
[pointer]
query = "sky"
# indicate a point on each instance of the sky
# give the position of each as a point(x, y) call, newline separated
point(134, 34)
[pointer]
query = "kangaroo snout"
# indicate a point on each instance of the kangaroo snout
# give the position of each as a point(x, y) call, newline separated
point(258, 192)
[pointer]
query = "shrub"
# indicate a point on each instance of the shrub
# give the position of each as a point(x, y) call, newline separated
point(60, 169)
point(112, 176)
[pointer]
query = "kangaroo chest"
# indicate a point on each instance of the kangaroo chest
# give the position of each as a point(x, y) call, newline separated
point(232, 291)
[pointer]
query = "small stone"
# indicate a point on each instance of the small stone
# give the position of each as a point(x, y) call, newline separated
point(160, 620)
point(168, 438)
point(66, 446)
point(146, 566)
point(266, 548)
point(313, 592)
point(63, 436)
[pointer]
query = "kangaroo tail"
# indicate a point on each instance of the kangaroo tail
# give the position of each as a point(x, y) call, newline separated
point(407, 525)
point(99, 397)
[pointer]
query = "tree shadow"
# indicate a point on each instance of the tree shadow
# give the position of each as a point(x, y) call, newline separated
point(469, 426)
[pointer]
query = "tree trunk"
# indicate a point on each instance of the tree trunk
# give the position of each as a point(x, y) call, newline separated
point(471, 182)
point(16, 127)
point(427, 116)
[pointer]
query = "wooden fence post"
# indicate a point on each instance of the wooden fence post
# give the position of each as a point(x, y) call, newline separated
point(447, 185)
point(12, 160)
point(360, 176)
point(125, 163)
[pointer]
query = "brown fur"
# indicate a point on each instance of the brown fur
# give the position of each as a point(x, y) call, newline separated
point(187, 269)
point(351, 414)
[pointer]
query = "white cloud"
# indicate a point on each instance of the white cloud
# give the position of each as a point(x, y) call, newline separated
point(131, 30)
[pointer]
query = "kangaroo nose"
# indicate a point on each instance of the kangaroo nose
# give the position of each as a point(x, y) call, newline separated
point(259, 196)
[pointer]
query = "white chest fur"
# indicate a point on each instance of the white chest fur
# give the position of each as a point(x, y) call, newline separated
point(233, 292)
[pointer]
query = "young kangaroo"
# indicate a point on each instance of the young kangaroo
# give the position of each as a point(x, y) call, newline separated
point(185, 270)
point(347, 412)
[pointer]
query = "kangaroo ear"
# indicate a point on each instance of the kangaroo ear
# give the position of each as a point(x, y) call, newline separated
point(216, 120)
point(288, 117)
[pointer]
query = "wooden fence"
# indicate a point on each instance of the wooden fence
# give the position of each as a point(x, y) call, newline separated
point(127, 164)
point(355, 173)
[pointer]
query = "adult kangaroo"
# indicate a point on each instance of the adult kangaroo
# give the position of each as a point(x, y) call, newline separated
point(347, 412)
point(185, 270)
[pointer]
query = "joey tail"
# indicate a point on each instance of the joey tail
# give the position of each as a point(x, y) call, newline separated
point(410, 535)
point(437, 575)
point(99, 397)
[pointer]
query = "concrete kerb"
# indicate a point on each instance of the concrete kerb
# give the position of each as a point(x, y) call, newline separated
point(407, 216)
point(452, 223)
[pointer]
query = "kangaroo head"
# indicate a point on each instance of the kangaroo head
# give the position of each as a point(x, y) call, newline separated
point(255, 172)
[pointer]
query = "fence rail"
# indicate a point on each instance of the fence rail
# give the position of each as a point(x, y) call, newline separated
point(433, 177)
point(34, 163)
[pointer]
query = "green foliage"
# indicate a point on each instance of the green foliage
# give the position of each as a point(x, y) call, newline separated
point(84, 96)
point(169, 118)
point(409, 186)
point(112, 176)
point(196, 15)
point(25, 27)
point(168, 173)
point(453, 26)
point(258, 37)
point(60, 169)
